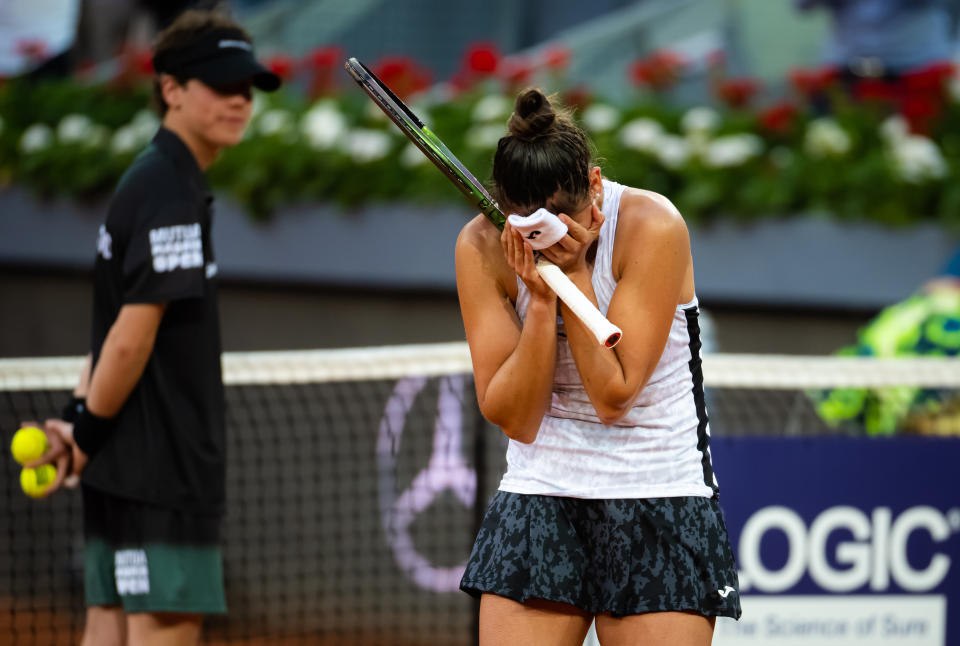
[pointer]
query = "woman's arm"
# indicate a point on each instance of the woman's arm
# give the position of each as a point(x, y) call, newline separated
point(652, 261)
point(513, 362)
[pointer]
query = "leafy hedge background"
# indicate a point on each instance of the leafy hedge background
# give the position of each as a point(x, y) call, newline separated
point(890, 155)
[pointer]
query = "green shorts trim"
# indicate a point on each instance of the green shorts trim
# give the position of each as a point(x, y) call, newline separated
point(154, 577)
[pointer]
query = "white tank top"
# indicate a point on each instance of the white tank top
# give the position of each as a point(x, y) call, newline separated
point(659, 449)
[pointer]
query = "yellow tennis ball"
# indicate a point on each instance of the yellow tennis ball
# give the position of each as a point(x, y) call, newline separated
point(36, 481)
point(28, 444)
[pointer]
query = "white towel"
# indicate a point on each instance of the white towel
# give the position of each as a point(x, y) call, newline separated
point(541, 228)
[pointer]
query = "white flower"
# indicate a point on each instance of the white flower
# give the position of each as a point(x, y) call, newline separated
point(491, 107)
point(364, 145)
point(674, 151)
point(260, 103)
point(74, 128)
point(145, 124)
point(125, 140)
point(600, 117)
point(36, 138)
point(917, 159)
point(894, 128)
point(411, 156)
point(700, 119)
point(826, 138)
point(136, 134)
point(323, 125)
point(485, 137)
point(732, 150)
point(275, 122)
point(642, 134)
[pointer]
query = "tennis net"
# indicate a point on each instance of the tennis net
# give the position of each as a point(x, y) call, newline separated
point(357, 477)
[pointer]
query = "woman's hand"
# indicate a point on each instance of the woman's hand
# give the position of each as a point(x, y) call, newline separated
point(570, 253)
point(519, 255)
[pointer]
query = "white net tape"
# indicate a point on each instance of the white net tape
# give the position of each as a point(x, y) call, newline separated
point(775, 372)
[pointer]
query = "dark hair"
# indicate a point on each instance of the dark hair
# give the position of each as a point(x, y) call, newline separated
point(188, 27)
point(544, 152)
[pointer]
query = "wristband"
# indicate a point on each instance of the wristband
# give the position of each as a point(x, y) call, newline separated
point(90, 431)
point(71, 411)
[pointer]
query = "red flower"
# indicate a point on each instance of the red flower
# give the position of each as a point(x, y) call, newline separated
point(931, 78)
point(461, 81)
point(812, 82)
point(34, 48)
point(778, 118)
point(577, 98)
point(135, 65)
point(658, 71)
point(482, 59)
point(736, 93)
point(920, 112)
point(144, 60)
point(85, 68)
point(557, 58)
point(402, 75)
point(516, 71)
point(324, 64)
point(281, 65)
point(325, 57)
point(877, 90)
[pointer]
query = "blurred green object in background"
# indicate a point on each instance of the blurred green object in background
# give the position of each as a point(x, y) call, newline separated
point(925, 325)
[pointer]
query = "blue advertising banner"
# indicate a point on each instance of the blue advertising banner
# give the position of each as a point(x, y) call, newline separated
point(843, 540)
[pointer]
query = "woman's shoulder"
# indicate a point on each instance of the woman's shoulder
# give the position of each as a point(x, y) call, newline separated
point(479, 253)
point(479, 233)
point(647, 213)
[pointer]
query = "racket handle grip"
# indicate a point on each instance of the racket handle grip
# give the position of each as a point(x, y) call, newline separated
point(606, 332)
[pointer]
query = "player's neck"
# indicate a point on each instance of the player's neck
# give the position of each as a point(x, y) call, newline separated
point(203, 151)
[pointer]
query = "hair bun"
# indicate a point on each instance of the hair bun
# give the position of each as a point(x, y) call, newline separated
point(533, 116)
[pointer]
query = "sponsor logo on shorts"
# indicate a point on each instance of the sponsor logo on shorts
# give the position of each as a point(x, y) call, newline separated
point(176, 247)
point(211, 269)
point(131, 572)
point(726, 591)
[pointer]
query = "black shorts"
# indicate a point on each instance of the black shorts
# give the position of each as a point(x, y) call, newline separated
point(623, 557)
point(150, 559)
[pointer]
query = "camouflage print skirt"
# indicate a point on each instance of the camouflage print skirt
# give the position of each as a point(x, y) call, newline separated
point(623, 557)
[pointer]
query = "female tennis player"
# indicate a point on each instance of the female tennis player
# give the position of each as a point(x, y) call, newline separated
point(608, 509)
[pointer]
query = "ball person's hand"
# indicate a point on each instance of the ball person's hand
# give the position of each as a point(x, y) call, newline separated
point(63, 453)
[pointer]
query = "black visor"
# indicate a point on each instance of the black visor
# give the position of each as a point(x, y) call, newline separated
point(218, 58)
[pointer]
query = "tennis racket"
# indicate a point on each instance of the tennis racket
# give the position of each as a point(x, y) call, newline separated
point(437, 152)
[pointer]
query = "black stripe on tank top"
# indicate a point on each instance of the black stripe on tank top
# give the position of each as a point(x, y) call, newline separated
point(696, 373)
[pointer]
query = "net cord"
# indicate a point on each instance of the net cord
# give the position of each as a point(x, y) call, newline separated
point(723, 370)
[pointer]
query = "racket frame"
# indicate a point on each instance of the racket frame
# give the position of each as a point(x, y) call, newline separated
point(437, 152)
